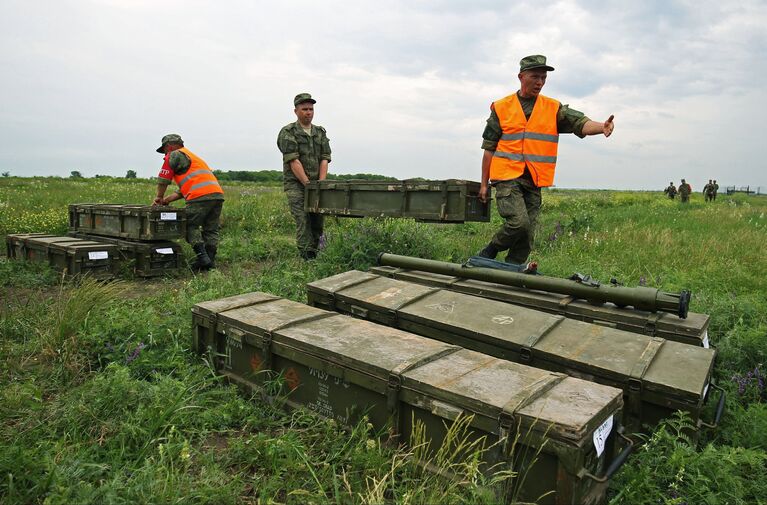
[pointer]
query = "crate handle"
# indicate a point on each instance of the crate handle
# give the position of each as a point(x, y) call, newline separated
point(719, 409)
point(615, 464)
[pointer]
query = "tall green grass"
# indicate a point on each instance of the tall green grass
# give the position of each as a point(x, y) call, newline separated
point(101, 400)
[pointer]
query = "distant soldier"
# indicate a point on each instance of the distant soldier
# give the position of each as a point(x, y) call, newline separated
point(684, 191)
point(716, 189)
point(670, 190)
point(305, 152)
point(204, 197)
point(708, 191)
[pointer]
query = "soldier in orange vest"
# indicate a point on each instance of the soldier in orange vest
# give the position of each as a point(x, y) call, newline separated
point(202, 192)
point(520, 144)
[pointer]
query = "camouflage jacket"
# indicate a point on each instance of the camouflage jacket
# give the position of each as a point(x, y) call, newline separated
point(294, 143)
point(685, 189)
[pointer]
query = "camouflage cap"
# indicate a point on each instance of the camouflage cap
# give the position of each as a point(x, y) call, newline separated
point(303, 97)
point(171, 138)
point(534, 61)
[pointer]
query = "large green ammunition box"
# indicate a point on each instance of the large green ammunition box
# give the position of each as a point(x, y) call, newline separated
point(134, 222)
point(345, 368)
point(74, 256)
point(452, 200)
point(657, 376)
point(693, 330)
point(15, 244)
point(147, 259)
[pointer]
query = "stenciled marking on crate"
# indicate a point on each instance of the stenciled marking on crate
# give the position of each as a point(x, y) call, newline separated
point(231, 342)
point(502, 319)
point(447, 308)
point(601, 434)
point(326, 385)
point(383, 295)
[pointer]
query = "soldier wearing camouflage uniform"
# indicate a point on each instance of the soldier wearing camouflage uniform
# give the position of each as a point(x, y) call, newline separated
point(202, 192)
point(519, 144)
point(708, 191)
point(305, 152)
point(670, 190)
point(684, 191)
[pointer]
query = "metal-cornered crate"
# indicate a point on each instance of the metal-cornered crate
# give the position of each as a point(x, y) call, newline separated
point(448, 201)
point(127, 221)
point(72, 255)
point(15, 243)
point(693, 330)
point(657, 376)
point(349, 369)
point(147, 259)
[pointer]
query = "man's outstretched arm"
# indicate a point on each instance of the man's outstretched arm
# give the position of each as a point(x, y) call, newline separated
point(596, 128)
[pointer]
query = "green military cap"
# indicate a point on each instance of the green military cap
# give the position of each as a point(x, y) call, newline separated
point(171, 138)
point(534, 61)
point(303, 97)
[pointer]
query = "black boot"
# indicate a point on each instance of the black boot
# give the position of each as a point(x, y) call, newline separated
point(490, 251)
point(211, 250)
point(202, 262)
point(308, 255)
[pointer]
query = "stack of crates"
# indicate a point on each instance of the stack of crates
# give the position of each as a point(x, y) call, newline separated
point(547, 387)
point(142, 235)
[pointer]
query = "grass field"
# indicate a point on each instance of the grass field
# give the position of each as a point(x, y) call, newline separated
point(103, 402)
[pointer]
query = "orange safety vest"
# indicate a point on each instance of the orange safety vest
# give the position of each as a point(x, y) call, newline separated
point(198, 180)
point(532, 143)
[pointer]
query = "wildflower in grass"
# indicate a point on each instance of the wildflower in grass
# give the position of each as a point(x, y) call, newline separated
point(752, 384)
point(135, 353)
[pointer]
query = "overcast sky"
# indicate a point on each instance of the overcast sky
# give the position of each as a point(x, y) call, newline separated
point(402, 87)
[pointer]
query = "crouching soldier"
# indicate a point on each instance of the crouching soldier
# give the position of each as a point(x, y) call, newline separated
point(202, 192)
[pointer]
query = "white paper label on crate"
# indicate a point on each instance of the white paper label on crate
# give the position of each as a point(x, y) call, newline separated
point(98, 255)
point(601, 434)
point(168, 216)
point(705, 390)
point(706, 343)
point(164, 250)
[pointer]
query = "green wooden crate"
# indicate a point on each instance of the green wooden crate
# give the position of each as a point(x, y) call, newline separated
point(127, 221)
point(71, 255)
point(344, 368)
point(657, 376)
point(449, 201)
point(693, 330)
point(146, 259)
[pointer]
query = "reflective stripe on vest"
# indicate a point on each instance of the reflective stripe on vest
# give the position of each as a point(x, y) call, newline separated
point(526, 143)
point(198, 180)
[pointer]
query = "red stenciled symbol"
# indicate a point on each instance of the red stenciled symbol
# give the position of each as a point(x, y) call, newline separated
point(292, 379)
point(256, 362)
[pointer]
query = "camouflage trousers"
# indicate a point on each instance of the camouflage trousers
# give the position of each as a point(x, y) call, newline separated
point(203, 220)
point(685, 198)
point(309, 227)
point(518, 202)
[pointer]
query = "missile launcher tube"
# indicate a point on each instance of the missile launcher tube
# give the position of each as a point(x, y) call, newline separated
point(642, 298)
